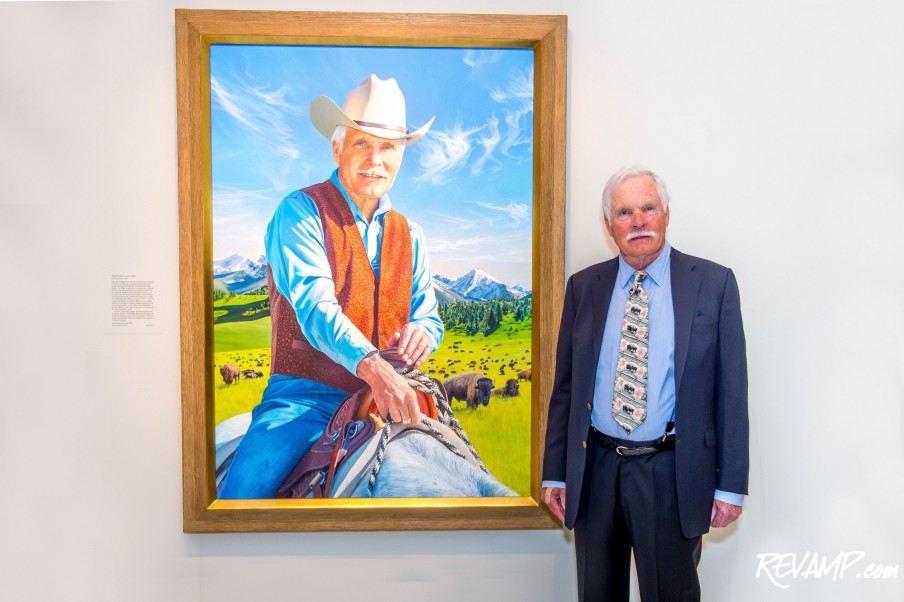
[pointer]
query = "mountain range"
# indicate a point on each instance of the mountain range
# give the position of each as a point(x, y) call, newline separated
point(239, 274)
point(476, 285)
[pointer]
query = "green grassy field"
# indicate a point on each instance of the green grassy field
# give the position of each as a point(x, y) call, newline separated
point(241, 307)
point(500, 431)
point(239, 336)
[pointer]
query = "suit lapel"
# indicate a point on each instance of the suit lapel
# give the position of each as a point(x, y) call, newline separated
point(685, 286)
point(601, 295)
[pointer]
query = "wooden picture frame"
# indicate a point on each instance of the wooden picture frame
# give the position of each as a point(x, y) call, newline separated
point(196, 31)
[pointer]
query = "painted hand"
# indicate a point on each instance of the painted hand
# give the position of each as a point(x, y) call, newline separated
point(413, 343)
point(393, 396)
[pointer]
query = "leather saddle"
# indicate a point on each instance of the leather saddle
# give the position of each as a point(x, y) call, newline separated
point(355, 423)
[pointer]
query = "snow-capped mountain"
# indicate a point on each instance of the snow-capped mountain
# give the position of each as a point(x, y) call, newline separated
point(238, 274)
point(445, 294)
point(239, 263)
point(479, 285)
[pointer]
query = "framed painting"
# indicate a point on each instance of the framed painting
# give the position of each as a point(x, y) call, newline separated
point(463, 117)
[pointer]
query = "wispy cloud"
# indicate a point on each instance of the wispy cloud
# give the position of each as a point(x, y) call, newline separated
point(445, 151)
point(442, 152)
point(519, 89)
point(477, 58)
point(516, 213)
point(231, 195)
point(260, 110)
point(493, 217)
point(503, 249)
point(489, 141)
point(518, 99)
point(458, 223)
point(240, 218)
point(515, 135)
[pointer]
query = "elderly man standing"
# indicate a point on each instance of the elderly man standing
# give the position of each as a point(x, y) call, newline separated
point(647, 429)
point(348, 276)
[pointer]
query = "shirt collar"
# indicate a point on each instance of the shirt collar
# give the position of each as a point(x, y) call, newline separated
point(383, 205)
point(656, 271)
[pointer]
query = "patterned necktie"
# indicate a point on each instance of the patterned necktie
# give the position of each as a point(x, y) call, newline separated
point(629, 404)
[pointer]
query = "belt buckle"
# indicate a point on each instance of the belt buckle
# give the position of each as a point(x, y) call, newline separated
point(632, 452)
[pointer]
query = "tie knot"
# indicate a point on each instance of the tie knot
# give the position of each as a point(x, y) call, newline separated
point(637, 287)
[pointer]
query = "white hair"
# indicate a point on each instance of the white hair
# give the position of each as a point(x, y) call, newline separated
point(338, 137)
point(630, 172)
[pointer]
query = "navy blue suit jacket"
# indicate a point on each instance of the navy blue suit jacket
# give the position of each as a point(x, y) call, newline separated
point(710, 384)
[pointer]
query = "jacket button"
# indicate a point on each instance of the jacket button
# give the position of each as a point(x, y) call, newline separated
point(584, 443)
point(589, 407)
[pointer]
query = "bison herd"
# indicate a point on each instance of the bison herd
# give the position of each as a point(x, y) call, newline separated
point(232, 374)
point(474, 388)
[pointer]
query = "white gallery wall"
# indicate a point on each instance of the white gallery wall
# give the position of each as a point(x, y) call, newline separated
point(779, 127)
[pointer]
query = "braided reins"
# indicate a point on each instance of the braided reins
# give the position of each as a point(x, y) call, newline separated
point(421, 382)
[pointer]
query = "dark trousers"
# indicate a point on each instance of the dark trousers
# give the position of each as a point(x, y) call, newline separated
point(633, 503)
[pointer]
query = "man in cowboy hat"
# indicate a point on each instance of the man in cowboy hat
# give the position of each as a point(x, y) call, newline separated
point(348, 275)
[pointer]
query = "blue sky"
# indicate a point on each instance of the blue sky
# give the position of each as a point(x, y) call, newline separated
point(468, 182)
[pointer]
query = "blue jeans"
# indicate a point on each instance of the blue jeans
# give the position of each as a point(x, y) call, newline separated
point(290, 417)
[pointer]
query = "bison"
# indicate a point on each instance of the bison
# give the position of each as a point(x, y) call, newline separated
point(509, 390)
point(230, 373)
point(473, 388)
point(525, 375)
point(252, 373)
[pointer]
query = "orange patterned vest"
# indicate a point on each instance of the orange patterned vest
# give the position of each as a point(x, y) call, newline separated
point(377, 308)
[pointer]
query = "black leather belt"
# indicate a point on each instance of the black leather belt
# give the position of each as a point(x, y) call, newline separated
point(633, 448)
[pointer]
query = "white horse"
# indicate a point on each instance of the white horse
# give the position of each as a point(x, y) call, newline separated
point(418, 465)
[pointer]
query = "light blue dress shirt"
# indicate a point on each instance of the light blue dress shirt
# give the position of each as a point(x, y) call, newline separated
point(661, 359)
point(301, 272)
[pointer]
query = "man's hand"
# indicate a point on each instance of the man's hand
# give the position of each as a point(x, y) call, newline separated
point(392, 394)
point(554, 497)
point(724, 514)
point(413, 343)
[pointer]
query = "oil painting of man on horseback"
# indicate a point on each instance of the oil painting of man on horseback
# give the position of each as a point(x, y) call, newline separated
point(376, 376)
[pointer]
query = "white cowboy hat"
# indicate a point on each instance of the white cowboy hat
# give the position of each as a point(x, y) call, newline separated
point(376, 106)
